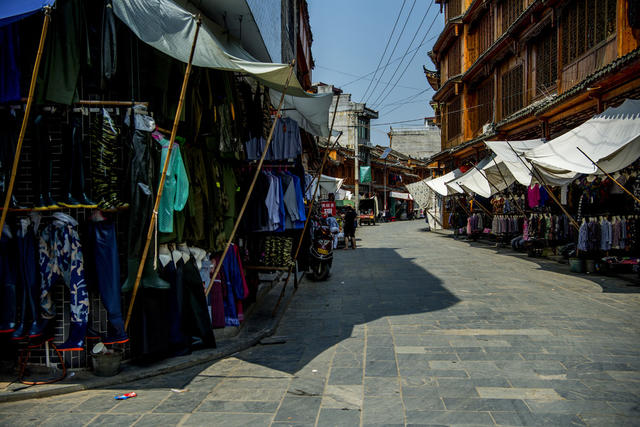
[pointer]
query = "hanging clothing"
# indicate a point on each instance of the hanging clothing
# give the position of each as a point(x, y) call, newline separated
point(66, 51)
point(533, 196)
point(176, 187)
point(61, 258)
point(234, 284)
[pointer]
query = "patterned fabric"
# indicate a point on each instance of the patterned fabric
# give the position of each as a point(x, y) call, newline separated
point(61, 257)
point(421, 193)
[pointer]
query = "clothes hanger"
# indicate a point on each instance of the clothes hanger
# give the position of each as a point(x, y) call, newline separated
point(67, 219)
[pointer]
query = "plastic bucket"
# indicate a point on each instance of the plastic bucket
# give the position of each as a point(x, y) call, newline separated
point(576, 265)
point(590, 266)
point(106, 364)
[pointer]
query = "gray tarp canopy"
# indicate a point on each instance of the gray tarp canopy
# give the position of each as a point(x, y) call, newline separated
point(170, 27)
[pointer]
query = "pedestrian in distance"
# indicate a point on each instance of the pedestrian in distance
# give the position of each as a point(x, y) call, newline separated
point(350, 218)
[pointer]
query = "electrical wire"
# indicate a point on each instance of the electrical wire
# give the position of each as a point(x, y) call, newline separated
point(395, 46)
point(385, 49)
point(406, 52)
point(355, 75)
point(410, 61)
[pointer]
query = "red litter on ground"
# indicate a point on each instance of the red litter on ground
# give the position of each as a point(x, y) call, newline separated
point(126, 396)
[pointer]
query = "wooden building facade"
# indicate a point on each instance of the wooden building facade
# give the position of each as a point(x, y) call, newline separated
point(523, 69)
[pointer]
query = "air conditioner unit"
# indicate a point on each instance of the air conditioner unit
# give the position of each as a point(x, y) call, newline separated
point(488, 127)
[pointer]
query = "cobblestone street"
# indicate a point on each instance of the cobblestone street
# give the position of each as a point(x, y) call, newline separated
point(411, 328)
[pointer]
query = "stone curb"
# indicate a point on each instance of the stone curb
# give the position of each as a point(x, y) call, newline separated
point(131, 373)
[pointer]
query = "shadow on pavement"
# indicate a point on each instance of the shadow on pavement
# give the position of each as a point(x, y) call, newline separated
point(366, 285)
point(620, 284)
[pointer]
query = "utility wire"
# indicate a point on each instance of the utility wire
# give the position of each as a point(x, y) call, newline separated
point(410, 61)
point(359, 77)
point(385, 49)
point(407, 51)
point(395, 46)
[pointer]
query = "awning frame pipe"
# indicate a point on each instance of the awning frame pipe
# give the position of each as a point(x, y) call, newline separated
point(507, 188)
point(163, 176)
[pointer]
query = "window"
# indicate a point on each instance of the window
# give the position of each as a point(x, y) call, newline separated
point(511, 9)
point(455, 59)
point(586, 23)
point(546, 62)
point(454, 119)
point(512, 91)
point(484, 104)
point(363, 129)
point(484, 33)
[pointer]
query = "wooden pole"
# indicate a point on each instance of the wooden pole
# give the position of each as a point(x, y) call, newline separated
point(313, 199)
point(25, 119)
point(612, 178)
point(163, 176)
point(507, 186)
point(253, 183)
point(535, 173)
point(494, 186)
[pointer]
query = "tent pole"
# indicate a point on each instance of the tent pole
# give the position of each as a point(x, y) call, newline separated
point(313, 199)
point(485, 210)
point(507, 188)
point(464, 208)
point(163, 176)
point(253, 184)
point(535, 173)
point(25, 119)
point(612, 178)
point(496, 188)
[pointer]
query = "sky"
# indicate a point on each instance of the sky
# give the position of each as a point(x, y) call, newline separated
point(349, 39)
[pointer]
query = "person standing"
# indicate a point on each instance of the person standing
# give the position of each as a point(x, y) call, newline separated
point(350, 219)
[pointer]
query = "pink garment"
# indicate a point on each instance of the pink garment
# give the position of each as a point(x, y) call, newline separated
point(533, 196)
point(469, 226)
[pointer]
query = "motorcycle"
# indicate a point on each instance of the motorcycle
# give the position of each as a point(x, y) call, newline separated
point(321, 250)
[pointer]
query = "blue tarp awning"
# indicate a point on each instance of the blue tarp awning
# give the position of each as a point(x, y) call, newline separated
point(12, 10)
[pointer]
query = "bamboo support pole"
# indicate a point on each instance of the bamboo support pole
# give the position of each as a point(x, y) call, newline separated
point(538, 176)
point(495, 187)
point(506, 188)
point(163, 176)
point(612, 178)
point(25, 119)
point(253, 183)
point(312, 202)
point(464, 208)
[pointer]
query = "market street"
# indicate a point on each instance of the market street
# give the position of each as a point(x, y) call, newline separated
point(412, 328)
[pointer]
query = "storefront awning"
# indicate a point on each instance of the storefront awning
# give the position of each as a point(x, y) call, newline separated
point(13, 11)
point(612, 139)
point(170, 27)
point(474, 180)
point(511, 161)
point(439, 185)
point(401, 196)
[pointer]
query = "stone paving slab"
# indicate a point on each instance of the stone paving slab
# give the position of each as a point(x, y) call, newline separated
point(427, 331)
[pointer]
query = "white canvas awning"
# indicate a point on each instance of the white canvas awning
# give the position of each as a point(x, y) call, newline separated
point(401, 196)
point(512, 162)
point(439, 185)
point(170, 27)
point(474, 180)
point(421, 193)
point(611, 138)
point(330, 184)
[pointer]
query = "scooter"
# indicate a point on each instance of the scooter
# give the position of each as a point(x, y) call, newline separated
point(321, 250)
